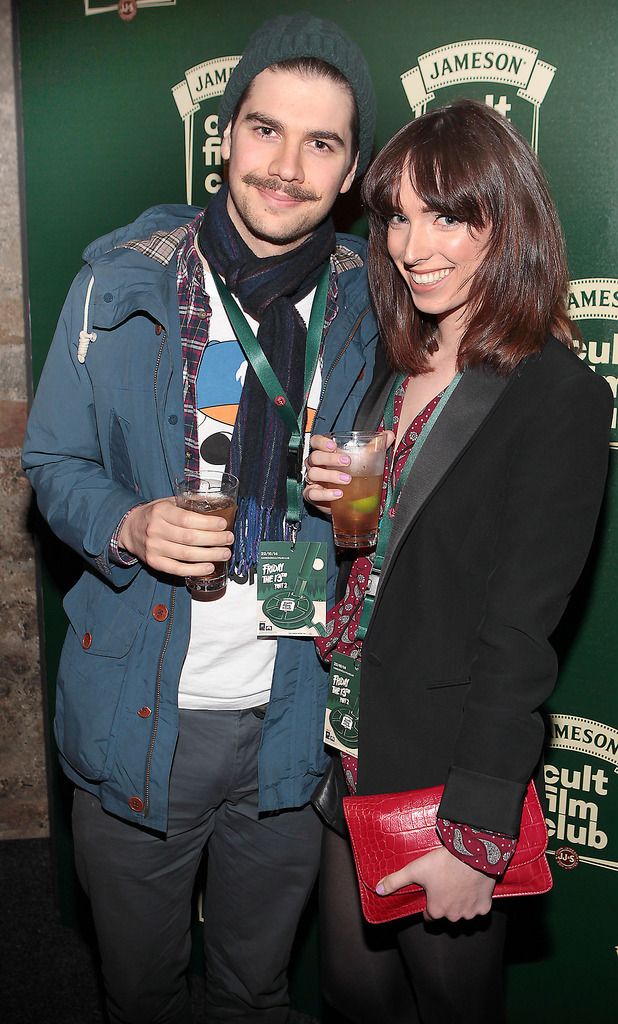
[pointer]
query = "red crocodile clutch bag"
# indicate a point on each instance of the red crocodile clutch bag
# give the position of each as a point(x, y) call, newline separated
point(390, 830)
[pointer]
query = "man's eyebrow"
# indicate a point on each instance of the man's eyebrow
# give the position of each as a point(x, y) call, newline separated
point(255, 117)
point(326, 136)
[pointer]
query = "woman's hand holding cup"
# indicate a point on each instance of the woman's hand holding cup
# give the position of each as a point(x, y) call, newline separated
point(326, 473)
point(335, 463)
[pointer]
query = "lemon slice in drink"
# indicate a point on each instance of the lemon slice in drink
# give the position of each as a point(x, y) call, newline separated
point(365, 505)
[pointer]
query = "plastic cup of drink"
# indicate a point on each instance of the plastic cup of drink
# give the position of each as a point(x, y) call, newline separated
point(356, 514)
point(210, 494)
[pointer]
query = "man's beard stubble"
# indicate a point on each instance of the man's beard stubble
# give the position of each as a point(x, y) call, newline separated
point(286, 233)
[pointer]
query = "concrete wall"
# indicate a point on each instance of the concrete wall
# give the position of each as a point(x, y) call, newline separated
point(23, 796)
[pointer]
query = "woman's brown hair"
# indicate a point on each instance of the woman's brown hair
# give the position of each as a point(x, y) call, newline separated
point(467, 161)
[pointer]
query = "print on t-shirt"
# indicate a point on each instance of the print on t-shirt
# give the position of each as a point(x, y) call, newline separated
point(219, 386)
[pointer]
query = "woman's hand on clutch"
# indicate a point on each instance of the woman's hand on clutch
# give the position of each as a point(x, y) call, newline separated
point(454, 889)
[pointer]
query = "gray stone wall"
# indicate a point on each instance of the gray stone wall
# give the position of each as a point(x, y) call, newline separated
point(23, 796)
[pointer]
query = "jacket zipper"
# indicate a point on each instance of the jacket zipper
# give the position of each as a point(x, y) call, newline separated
point(166, 640)
point(158, 363)
point(343, 350)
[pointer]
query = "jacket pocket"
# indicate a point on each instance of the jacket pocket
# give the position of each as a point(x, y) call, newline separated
point(121, 467)
point(440, 684)
point(92, 676)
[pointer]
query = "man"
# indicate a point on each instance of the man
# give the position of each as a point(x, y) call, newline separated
point(181, 730)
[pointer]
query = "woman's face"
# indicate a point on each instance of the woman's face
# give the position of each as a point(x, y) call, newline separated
point(437, 256)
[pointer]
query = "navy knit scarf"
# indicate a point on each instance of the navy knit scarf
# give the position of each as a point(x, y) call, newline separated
point(268, 290)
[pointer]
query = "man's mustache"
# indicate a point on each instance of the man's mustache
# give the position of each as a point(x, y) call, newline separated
point(275, 185)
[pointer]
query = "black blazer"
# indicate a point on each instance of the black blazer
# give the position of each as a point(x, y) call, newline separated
point(492, 531)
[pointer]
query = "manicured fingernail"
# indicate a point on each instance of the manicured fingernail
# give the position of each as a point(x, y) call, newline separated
point(344, 460)
point(381, 891)
point(337, 494)
point(345, 478)
point(331, 446)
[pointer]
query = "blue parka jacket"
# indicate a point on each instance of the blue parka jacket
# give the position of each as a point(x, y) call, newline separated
point(107, 433)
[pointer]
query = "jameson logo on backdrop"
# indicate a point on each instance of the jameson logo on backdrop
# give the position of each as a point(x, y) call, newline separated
point(594, 300)
point(127, 9)
point(202, 84)
point(514, 66)
point(581, 784)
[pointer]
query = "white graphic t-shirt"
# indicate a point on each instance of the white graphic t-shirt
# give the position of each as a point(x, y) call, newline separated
point(227, 667)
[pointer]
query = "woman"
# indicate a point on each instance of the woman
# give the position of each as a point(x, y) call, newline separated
point(504, 434)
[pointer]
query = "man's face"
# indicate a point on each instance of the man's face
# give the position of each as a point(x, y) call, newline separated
point(290, 155)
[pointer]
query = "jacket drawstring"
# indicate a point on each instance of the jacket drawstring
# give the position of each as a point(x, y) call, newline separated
point(84, 337)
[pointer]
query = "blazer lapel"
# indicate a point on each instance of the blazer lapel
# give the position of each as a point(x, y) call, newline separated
point(467, 408)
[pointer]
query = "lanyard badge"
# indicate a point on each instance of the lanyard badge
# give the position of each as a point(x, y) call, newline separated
point(341, 719)
point(291, 589)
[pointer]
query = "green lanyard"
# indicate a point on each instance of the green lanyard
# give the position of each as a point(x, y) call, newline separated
point(269, 381)
point(392, 495)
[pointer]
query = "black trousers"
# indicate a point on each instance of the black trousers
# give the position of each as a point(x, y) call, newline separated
point(260, 872)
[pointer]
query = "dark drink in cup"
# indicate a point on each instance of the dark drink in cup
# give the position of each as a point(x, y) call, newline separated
point(210, 494)
point(224, 508)
point(356, 514)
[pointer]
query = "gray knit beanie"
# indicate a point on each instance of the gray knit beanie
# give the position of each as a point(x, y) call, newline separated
point(302, 35)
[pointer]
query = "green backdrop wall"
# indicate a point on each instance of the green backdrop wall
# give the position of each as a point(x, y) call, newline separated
point(119, 105)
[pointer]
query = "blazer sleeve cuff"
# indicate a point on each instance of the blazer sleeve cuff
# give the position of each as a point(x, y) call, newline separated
point(483, 801)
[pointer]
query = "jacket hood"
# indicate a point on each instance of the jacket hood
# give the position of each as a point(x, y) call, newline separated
point(131, 267)
point(156, 218)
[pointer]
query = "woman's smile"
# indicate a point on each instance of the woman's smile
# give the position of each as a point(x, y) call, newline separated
point(429, 277)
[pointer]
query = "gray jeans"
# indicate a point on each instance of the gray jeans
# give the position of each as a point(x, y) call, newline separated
point(260, 871)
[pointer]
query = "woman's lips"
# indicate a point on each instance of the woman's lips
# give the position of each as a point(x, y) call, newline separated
point(429, 281)
point(430, 277)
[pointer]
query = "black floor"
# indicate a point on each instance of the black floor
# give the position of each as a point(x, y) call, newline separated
point(48, 973)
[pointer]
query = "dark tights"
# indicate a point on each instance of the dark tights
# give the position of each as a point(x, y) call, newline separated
point(410, 973)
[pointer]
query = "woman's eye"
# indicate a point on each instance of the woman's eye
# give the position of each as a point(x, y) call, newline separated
point(395, 220)
point(448, 220)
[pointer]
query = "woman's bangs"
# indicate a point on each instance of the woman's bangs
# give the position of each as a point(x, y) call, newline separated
point(447, 182)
